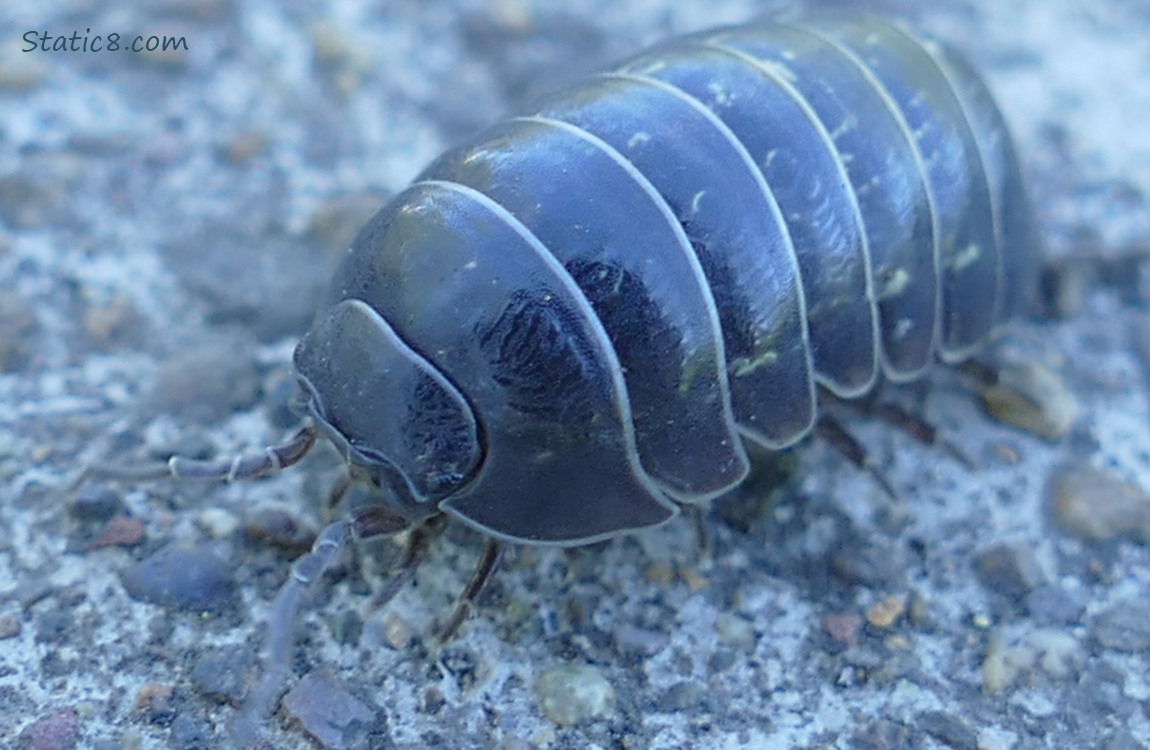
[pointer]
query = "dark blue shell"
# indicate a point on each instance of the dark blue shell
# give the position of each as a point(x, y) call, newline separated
point(569, 324)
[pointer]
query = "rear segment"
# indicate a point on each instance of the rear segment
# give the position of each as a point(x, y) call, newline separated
point(988, 246)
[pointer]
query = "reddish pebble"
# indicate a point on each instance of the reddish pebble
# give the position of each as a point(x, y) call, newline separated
point(153, 699)
point(120, 531)
point(329, 713)
point(58, 731)
point(843, 627)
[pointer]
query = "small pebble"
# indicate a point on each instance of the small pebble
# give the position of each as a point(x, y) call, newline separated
point(345, 626)
point(1125, 626)
point(1004, 453)
point(635, 641)
point(221, 673)
point(948, 729)
point(56, 731)
point(9, 627)
point(190, 732)
point(1052, 604)
point(920, 612)
point(218, 522)
point(30, 591)
point(683, 696)
point(736, 632)
point(660, 574)
point(241, 147)
point(843, 628)
point(397, 631)
point(574, 693)
point(994, 738)
point(885, 613)
point(882, 734)
point(208, 381)
point(120, 531)
point(1011, 570)
point(87, 710)
point(1095, 505)
point(1011, 658)
point(1033, 398)
point(154, 701)
point(695, 580)
point(331, 714)
point(94, 502)
point(722, 660)
point(868, 564)
point(111, 320)
point(184, 578)
point(433, 700)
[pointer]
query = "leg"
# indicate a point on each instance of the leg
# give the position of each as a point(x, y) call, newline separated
point(414, 554)
point(913, 425)
point(703, 538)
point(483, 570)
point(835, 434)
point(921, 430)
point(980, 372)
point(371, 521)
point(276, 669)
point(338, 492)
point(246, 466)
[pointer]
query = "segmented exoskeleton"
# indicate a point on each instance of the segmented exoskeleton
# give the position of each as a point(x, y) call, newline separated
point(570, 323)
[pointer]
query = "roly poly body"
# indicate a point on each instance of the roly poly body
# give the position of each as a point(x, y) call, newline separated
point(567, 326)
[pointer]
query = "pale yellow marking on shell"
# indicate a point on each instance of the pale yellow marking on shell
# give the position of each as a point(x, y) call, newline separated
point(696, 200)
point(848, 124)
point(743, 366)
point(895, 282)
point(720, 93)
point(963, 257)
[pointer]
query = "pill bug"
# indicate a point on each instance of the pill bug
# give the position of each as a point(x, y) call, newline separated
point(568, 326)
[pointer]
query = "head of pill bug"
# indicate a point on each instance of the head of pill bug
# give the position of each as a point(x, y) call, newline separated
point(400, 425)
